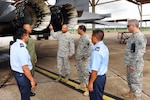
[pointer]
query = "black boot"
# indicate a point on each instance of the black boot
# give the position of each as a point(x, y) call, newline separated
point(32, 94)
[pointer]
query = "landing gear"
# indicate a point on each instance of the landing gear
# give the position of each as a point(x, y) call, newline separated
point(44, 35)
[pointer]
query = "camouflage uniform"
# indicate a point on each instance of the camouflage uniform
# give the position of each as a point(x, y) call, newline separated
point(84, 49)
point(65, 49)
point(134, 52)
point(31, 50)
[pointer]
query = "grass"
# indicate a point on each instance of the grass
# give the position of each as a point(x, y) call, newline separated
point(110, 29)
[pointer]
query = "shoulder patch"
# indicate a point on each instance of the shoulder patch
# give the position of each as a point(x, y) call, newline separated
point(21, 45)
point(97, 48)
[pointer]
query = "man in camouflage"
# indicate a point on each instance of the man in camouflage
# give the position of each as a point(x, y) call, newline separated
point(31, 47)
point(133, 58)
point(31, 50)
point(83, 53)
point(65, 50)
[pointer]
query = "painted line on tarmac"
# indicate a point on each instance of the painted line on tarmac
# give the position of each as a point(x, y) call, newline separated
point(5, 79)
point(71, 83)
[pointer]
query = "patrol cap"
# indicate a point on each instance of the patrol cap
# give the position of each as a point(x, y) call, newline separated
point(20, 32)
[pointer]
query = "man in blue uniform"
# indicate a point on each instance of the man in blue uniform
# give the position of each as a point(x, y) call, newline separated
point(98, 66)
point(21, 64)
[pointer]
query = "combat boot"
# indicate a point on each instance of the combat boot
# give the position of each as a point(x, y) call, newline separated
point(58, 79)
point(81, 85)
point(86, 93)
point(66, 78)
point(128, 95)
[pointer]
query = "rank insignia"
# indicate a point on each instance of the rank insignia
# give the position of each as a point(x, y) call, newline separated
point(21, 45)
point(97, 48)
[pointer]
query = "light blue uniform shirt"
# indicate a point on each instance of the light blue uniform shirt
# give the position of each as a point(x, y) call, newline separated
point(19, 56)
point(99, 58)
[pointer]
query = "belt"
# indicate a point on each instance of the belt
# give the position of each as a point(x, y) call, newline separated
point(17, 72)
point(101, 75)
point(20, 74)
point(97, 75)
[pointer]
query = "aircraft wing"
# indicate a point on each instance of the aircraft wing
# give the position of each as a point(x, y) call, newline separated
point(88, 17)
point(108, 23)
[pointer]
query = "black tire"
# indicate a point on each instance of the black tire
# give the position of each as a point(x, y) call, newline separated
point(38, 38)
point(46, 38)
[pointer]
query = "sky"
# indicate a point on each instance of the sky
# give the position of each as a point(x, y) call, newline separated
point(123, 9)
point(120, 9)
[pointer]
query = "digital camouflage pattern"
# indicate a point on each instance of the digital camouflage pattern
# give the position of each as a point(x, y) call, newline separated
point(134, 52)
point(66, 48)
point(84, 49)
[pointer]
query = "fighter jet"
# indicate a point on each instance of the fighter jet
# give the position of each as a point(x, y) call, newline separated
point(40, 14)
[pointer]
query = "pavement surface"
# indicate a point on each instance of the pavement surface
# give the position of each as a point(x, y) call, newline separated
point(47, 89)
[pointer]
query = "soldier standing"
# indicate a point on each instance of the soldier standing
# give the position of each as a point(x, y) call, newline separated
point(31, 46)
point(83, 53)
point(21, 64)
point(31, 50)
point(65, 50)
point(133, 58)
point(98, 66)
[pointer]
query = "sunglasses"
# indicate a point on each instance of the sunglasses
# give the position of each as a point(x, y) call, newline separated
point(128, 25)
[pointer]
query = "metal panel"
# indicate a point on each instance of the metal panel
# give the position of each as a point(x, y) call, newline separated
point(80, 5)
point(3, 6)
point(8, 14)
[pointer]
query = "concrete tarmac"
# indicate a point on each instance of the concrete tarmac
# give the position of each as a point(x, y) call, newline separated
point(47, 89)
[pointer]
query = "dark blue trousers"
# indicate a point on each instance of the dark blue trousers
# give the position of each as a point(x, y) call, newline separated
point(23, 85)
point(98, 86)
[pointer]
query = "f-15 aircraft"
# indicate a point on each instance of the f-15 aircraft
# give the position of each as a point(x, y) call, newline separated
point(39, 14)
